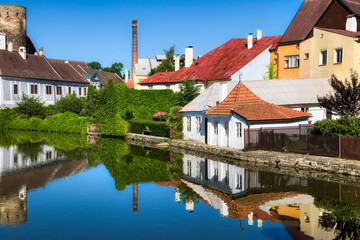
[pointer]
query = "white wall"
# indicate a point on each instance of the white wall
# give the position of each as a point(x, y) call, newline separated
point(172, 86)
point(194, 135)
point(9, 99)
point(254, 70)
point(318, 113)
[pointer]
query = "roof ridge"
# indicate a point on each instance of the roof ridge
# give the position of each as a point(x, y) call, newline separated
point(52, 67)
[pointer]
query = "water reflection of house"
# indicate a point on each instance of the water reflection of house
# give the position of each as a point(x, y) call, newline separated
point(19, 176)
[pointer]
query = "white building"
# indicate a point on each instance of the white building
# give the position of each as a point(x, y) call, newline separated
point(47, 79)
point(237, 59)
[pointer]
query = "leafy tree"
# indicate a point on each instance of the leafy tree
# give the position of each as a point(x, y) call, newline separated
point(346, 97)
point(189, 90)
point(115, 68)
point(94, 65)
point(110, 89)
point(31, 106)
point(69, 103)
point(271, 72)
point(128, 115)
point(175, 121)
point(168, 65)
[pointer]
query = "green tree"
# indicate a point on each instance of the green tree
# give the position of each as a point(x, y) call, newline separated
point(94, 65)
point(115, 68)
point(345, 99)
point(271, 72)
point(31, 106)
point(69, 103)
point(110, 89)
point(168, 65)
point(175, 122)
point(189, 90)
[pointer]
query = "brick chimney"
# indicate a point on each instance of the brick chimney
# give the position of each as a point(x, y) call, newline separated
point(134, 48)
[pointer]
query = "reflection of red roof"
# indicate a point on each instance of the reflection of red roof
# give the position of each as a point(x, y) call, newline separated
point(247, 105)
point(166, 184)
point(219, 64)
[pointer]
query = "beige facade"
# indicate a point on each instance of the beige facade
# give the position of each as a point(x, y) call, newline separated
point(323, 50)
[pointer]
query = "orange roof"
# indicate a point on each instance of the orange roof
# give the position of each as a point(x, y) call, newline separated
point(253, 109)
point(219, 64)
point(130, 84)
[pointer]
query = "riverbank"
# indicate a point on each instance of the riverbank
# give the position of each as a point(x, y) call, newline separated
point(299, 161)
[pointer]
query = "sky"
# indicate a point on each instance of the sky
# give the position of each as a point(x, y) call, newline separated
point(100, 31)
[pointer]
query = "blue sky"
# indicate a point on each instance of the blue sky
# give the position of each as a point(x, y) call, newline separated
point(101, 30)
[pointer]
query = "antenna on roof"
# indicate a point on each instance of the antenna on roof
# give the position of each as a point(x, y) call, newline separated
point(240, 75)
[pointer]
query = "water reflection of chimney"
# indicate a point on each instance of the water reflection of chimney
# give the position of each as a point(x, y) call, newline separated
point(135, 198)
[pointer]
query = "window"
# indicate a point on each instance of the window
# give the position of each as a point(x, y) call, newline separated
point(79, 91)
point(216, 174)
point(323, 58)
point(216, 128)
point(34, 89)
point(48, 155)
point(69, 90)
point(16, 89)
point(167, 86)
point(275, 61)
point(84, 91)
point(198, 171)
point(16, 160)
point(227, 177)
point(238, 181)
point(189, 168)
point(226, 128)
point(58, 91)
point(306, 56)
point(48, 90)
point(150, 87)
point(338, 56)
point(198, 124)
point(305, 109)
point(238, 130)
point(292, 61)
point(188, 122)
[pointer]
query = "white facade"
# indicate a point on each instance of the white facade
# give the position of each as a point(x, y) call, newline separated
point(46, 91)
point(172, 86)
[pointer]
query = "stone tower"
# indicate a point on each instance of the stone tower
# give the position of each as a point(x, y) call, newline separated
point(13, 25)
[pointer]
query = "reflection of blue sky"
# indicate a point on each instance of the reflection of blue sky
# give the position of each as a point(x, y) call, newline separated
point(87, 206)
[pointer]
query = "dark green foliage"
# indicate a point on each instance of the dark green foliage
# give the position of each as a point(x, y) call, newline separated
point(157, 128)
point(168, 65)
point(62, 122)
point(189, 90)
point(94, 65)
point(128, 115)
point(94, 101)
point(175, 121)
point(114, 126)
point(31, 106)
point(110, 89)
point(69, 103)
point(344, 126)
point(345, 101)
point(115, 68)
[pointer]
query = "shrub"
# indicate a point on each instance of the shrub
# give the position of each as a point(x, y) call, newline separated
point(31, 106)
point(160, 129)
point(116, 126)
point(344, 126)
point(175, 121)
point(69, 103)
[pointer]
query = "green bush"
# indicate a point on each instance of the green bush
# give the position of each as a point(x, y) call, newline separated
point(175, 121)
point(62, 122)
point(31, 106)
point(160, 129)
point(69, 103)
point(116, 126)
point(344, 126)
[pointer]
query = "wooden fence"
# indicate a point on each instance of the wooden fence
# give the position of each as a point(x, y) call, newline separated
point(285, 140)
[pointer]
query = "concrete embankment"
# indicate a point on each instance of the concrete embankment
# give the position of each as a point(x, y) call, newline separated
point(300, 161)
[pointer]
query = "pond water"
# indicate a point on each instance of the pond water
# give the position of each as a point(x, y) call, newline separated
point(56, 186)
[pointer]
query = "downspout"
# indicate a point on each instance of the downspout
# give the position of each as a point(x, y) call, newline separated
point(277, 64)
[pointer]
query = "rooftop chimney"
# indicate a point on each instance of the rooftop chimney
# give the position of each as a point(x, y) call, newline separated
point(22, 52)
point(223, 92)
point(351, 23)
point(259, 34)
point(41, 51)
point(134, 47)
point(250, 41)
point(10, 47)
point(189, 56)
point(126, 75)
point(177, 62)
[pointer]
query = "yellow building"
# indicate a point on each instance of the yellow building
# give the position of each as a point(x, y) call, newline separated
point(286, 60)
point(330, 51)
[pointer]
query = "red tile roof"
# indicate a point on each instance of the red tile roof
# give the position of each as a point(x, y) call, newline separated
point(253, 109)
point(219, 64)
point(304, 21)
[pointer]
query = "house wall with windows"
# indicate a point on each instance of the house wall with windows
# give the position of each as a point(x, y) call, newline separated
point(172, 86)
point(342, 54)
point(194, 131)
point(46, 91)
point(286, 64)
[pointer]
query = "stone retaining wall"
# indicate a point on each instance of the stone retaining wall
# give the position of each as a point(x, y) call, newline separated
point(318, 163)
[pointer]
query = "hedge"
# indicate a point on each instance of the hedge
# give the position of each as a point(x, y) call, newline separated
point(344, 126)
point(160, 129)
point(62, 122)
point(116, 126)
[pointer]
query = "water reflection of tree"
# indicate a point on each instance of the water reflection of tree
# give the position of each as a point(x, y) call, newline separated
point(30, 150)
point(187, 194)
point(341, 217)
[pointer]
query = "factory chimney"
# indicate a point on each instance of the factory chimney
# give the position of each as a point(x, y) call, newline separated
point(134, 48)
